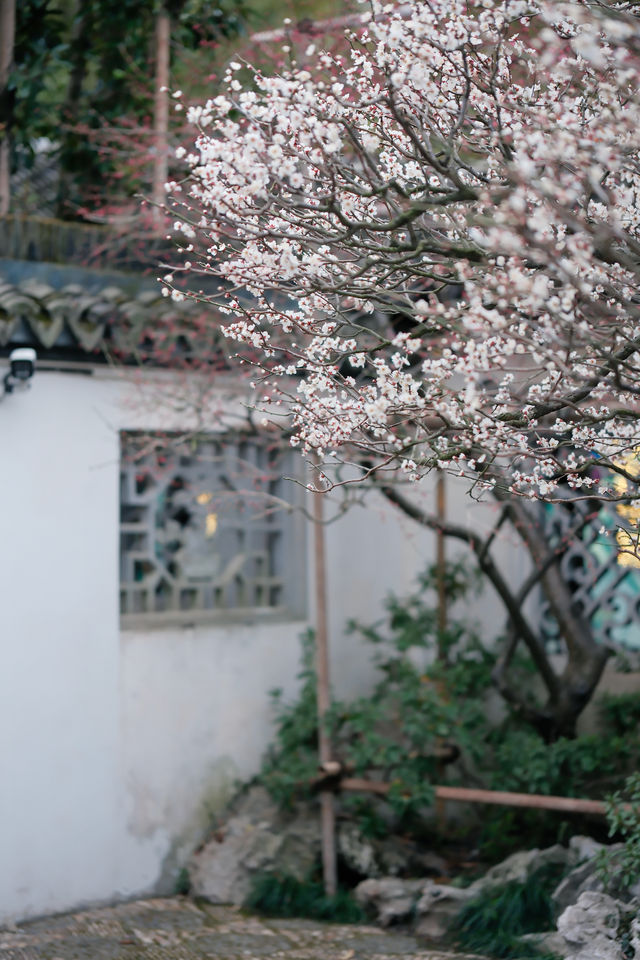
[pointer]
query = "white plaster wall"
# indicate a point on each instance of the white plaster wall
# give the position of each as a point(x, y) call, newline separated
point(59, 664)
point(376, 550)
point(196, 717)
point(117, 749)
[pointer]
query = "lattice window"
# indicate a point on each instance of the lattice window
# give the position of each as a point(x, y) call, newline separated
point(205, 533)
point(603, 576)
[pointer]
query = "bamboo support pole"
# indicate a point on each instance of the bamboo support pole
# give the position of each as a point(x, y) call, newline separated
point(498, 797)
point(441, 560)
point(441, 579)
point(327, 808)
point(535, 801)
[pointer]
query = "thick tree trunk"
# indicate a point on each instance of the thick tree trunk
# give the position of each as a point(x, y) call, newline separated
point(578, 683)
point(79, 50)
point(586, 659)
point(7, 41)
point(567, 693)
point(161, 114)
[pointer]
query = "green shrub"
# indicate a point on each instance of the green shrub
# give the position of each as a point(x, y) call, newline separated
point(620, 712)
point(284, 896)
point(523, 761)
point(432, 690)
point(394, 732)
point(520, 760)
point(621, 868)
point(493, 923)
point(292, 761)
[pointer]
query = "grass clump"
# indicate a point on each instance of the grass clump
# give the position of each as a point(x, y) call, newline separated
point(285, 896)
point(182, 886)
point(494, 921)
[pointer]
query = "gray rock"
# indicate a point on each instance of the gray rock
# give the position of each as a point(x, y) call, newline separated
point(390, 857)
point(357, 852)
point(259, 838)
point(634, 934)
point(583, 848)
point(402, 857)
point(221, 871)
point(299, 848)
point(256, 802)
point(583, 853)
point(437, 907)
point(582, 879)
point(255, 839)
point(391, 900)
point(586, 877)
point(549, 942)
point(590, 927)
point(394, 900)
point(520, 866)
point(440, 903)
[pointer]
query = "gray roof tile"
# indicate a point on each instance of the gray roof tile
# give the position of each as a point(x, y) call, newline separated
point(70, 318)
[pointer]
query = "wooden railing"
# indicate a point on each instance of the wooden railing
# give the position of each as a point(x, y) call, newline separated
point(333, 778)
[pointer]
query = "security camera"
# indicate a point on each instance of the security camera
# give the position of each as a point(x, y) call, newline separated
point(22, 365)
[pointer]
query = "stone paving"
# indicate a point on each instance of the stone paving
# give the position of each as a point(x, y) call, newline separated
point(178, 929)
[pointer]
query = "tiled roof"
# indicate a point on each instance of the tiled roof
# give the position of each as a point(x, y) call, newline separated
point(70, 321)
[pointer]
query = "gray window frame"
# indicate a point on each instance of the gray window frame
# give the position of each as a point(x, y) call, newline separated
point(274, 543)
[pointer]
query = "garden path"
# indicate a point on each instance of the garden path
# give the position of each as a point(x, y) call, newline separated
point(178, 929)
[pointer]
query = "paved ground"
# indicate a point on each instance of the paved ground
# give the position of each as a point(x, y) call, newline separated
point(177, 929)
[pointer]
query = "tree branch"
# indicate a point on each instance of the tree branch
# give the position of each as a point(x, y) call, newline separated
point(494, 575)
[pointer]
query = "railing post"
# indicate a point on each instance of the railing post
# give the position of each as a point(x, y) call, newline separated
point(327, 810)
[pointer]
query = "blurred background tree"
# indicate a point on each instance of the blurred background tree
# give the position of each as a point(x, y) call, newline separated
point(77, 122)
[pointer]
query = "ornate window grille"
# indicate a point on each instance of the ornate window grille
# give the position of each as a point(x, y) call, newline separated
point(208, 531)
point(601, 570)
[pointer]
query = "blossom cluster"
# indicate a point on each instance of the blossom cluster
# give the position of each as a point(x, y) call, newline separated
point(428, 247)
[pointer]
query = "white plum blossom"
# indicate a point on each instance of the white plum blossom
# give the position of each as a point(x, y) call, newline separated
point(430, 245)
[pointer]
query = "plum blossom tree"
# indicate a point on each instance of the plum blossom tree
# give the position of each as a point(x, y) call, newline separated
point(428, 249)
